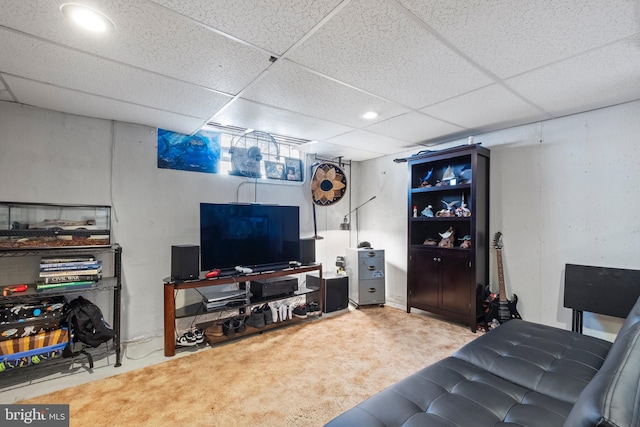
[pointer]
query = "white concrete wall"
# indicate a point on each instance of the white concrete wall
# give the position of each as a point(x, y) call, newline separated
point(51, 157)
point(562, 191)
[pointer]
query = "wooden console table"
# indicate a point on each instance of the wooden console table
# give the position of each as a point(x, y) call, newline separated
point(171, 287)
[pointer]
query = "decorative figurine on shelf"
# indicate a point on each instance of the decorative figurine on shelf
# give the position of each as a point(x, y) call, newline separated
point(466, 242)
point(428, 212)
point(447, 238)
point(430, 242)
point(448, 212)
point(424, 182)
point(462, 210)
point(448, 174)
point(465, 176)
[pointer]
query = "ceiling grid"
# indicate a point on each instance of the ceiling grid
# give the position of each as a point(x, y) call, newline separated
point(309, 69)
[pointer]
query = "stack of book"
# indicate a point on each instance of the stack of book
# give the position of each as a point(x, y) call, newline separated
point(77, 272)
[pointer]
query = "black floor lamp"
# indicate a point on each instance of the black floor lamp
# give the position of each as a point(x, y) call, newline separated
point(346, 225)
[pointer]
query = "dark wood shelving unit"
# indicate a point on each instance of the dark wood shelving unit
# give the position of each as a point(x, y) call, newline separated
point(444, 280)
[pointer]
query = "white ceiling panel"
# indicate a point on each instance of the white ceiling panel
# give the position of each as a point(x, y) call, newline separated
point(435, 71)
point(293, 88)
point(577, 84)
point(5, 95)
point(327, 150)
point(376, 47)
point(509, 37)
point(67, 101)
point(273, 25)
point(369, 141)
point(104, 78)
point(472, 109)
point(149, 37)
point(253, 115)
point(414, 127)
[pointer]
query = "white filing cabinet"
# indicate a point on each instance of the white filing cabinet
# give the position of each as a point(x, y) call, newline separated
point(365, 268)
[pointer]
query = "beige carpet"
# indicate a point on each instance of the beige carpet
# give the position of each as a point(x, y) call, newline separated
point(302, 375)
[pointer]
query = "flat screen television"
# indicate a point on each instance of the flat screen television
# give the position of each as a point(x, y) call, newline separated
point(248, 235)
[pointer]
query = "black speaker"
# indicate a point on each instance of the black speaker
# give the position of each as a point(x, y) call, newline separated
point(336, 291)
point(307, 251)
point(185, 262)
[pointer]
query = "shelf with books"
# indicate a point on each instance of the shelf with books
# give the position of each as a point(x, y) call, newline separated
point(32, 275)
point(70, 272)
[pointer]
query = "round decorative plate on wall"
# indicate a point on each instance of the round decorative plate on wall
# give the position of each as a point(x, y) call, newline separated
point(328, 184)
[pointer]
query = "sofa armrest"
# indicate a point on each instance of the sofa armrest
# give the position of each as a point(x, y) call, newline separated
point(612, 398)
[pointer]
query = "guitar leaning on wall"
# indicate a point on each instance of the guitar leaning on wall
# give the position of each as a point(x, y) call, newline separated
point(501, 308)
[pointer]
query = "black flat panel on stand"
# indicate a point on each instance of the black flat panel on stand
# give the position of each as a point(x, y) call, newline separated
point(336, 290)
point(185, 262)
point(602, 290)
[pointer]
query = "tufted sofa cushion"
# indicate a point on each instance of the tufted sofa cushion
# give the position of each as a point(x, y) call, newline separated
point(548, 360)
point(453, 392)
point(519, 374)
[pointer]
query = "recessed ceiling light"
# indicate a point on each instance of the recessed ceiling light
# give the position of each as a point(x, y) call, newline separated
point(87, 18)
point(370, 115)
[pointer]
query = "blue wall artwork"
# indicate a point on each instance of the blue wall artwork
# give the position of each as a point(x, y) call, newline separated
point(199, 152)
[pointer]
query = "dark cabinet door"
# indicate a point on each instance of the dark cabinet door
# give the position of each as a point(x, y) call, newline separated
point(425, 277)
point(455, 281)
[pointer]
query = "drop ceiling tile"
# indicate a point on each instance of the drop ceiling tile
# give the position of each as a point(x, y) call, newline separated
point(293, 88)
point(329, 151)
point(509, 37)
point(376, 47)
point(149, 37)
point(93, 75)
point(71, 102)
point(5, 95)
point(577, 84)
point(252, 115)
point(414, 127)
point(493, 107)
point(441, 54)
point(369, 141)
point(273, 25)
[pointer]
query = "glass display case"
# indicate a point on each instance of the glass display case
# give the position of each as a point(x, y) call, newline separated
point(43, 226)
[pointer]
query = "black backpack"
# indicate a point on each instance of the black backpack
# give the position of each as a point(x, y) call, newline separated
point(86, 325)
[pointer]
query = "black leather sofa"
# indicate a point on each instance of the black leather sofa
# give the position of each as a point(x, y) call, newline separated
point(520, 374)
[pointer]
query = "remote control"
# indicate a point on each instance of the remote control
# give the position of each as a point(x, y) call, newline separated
point(244, 270)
